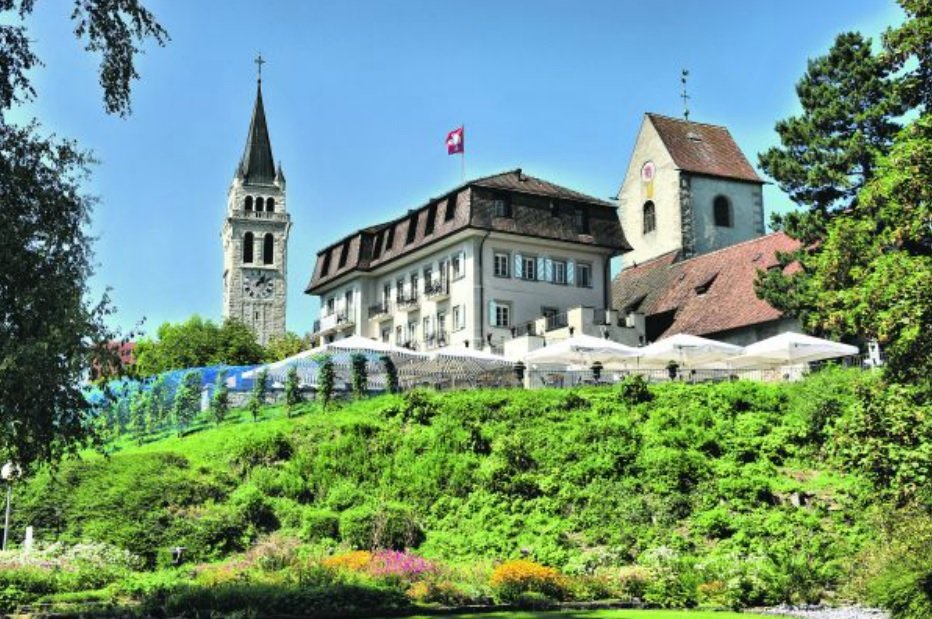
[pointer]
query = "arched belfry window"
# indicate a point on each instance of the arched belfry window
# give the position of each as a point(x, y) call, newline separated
point(270, 205)
point(650, 217)
point(721, 211)
point(268, 246)
point(248, 242)
point(247, 203)
point(258, 205)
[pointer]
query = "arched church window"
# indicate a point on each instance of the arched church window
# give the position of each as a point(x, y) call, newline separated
point(650, 217)
point(259, 205)
point(247, 203)
point(268, 245)
point(247, 247)
point(270, 205)
point(721, 211)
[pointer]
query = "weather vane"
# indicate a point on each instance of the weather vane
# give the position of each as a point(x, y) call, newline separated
point(683, 76)
point(259, 62)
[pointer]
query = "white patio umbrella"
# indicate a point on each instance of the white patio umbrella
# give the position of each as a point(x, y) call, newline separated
point(581, 350)
point(689, 351)
point(790, 348)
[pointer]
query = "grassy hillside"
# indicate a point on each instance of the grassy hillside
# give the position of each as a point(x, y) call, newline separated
point(730, 494)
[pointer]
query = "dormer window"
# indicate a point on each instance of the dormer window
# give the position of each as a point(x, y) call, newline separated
point(721, 211)
point(703, 288)
point(326, 266)
point(377, 245)
point(450, 209)
point(431, 218)
point(581, 220)
point(412, 230)
point(344, 254)
point(390, 238)
point(501, 206)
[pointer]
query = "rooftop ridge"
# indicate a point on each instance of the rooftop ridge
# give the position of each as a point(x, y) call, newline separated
point(684, 121)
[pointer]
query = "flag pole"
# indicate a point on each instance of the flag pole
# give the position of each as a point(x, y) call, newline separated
point(463, 155)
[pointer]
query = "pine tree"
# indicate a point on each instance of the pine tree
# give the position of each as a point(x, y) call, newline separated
point(360, 375)
point(293, 395)
point(260, 390)
point(325, 380)
point(391, 374)
point(187, 400)
point(220, 401)
point(138, 415)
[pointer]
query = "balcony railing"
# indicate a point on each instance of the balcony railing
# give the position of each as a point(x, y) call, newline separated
point(335, 320)
point(437, 288)
point(407, 302)
point(528, 328)
point(379, 310)
point(557, 321)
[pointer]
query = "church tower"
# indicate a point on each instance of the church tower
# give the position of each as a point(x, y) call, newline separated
point(688, 188)
point(255, 235)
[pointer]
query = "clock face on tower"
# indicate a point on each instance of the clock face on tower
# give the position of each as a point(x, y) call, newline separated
point(258, 284)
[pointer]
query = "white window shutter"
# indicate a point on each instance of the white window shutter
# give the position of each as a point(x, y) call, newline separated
point(492, 313)
point(541, 266)
point(548, 270)
point(519, 266)
point(570, 273)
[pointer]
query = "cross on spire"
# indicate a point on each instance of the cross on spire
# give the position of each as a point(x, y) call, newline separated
point(683, 95)
point(259, 62)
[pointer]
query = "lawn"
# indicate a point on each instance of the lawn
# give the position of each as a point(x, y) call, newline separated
point(601, 614)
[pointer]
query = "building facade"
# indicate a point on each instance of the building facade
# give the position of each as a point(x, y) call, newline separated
point(687, 188)
point(470, 268)
point(255, 236)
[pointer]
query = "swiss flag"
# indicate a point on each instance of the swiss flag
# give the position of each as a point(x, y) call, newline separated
point(456, 142)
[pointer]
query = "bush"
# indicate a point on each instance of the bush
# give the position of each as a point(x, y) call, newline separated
point(318, 524)
point(512, 581)
point(355, 561)
point(391, 526)
point(633, 390)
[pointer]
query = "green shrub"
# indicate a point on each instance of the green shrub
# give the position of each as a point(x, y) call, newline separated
point(318, 524)
point(390, 525)
point(633, 390)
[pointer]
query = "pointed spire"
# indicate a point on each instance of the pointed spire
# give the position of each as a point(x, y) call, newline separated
point(257, 164)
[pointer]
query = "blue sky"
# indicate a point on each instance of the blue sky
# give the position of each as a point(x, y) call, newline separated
point(359, 97)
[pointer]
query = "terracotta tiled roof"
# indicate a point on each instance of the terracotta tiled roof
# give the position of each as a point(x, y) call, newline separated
point(539, 208)
point(703, 149)
point(708, 294)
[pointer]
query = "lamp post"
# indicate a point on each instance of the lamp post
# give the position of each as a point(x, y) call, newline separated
point(596, 371)
point(519, 372)
point(8, 473)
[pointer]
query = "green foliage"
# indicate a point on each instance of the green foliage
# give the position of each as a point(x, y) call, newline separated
point(220, 400)
point(325, 380)
point(387, 525)
point(293, 395)
point(391, 374)
point(899, 567)
point(197, 343)
point(633, 390)
point(259, 393)
point(359, 375)
point(286, 346)
point(187, 402)
point(729, 494)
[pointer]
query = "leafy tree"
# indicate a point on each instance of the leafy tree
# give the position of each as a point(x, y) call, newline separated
point(49, 330)
point(286, 346)
point(360, 374)
point(391, 374)
point(238, 345)
point(197, 343)
point(325, 380)
point(293, 395)
point(872, 275)
point(260, 389)
point(220, 400)
point(187, 400)
point(908, 49)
